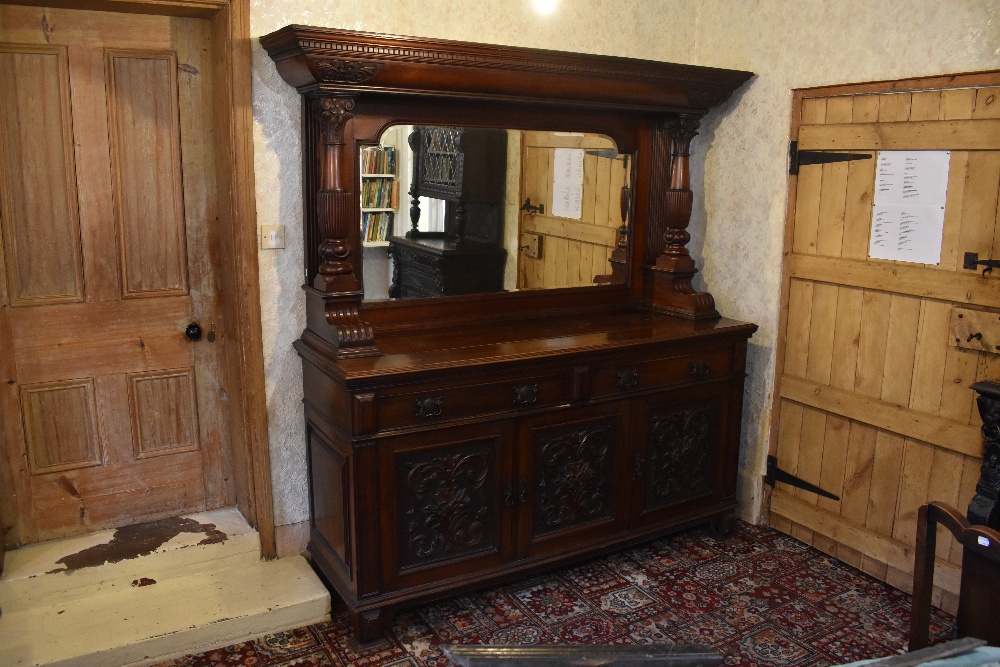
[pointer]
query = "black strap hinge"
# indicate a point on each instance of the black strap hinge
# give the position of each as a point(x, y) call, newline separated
point(775, 474)
point(797, 158)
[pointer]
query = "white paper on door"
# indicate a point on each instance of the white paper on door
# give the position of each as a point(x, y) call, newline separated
point(908, 212)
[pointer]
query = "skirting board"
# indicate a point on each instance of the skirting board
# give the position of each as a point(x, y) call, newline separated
point(292, 538)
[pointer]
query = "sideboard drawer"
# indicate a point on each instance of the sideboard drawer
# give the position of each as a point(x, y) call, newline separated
point(431, 403)
point(637, 374)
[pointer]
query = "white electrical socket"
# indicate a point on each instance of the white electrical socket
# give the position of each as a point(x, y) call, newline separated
point(272, 236)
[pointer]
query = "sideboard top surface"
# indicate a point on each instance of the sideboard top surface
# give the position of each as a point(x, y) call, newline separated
point(410, 351)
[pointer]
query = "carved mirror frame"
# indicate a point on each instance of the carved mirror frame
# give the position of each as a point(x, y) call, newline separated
point(355, 85)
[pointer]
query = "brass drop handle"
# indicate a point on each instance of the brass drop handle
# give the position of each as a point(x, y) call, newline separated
point(508, 494)
point(627, 379)
point(193, 331)
point(700, 368)
point(525, 394)
point(432, 406)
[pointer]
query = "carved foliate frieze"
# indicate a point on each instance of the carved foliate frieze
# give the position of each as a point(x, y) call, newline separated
point(447, 503)
point(346, 71)
point(681, 455)
point(573, 474)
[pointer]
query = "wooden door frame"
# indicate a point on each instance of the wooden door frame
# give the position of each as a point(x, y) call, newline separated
point(238, 273)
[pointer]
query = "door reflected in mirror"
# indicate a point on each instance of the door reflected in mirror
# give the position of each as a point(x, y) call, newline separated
point(449, 211)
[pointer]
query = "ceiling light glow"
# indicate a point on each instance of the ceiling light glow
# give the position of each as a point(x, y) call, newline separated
point(545, 6)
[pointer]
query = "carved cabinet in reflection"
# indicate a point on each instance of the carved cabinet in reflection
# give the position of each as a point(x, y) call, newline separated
point(466, 168)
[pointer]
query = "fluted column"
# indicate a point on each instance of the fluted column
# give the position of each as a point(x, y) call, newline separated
point(335, 203)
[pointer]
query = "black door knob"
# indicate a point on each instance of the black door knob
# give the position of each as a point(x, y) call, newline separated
point(193, 331)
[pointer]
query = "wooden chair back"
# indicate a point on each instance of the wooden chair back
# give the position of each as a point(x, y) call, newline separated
point(979, 595)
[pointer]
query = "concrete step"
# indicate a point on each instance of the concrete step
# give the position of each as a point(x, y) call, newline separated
point(187, 597)
point(107, 560)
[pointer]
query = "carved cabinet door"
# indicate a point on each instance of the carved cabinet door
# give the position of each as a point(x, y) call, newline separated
point(445, 507)
point(679, 464)
point(567, 486)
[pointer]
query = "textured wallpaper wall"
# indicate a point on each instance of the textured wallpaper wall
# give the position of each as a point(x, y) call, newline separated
point(742, 181)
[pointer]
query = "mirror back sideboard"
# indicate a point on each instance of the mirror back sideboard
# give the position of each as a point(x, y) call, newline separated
point(460, 441)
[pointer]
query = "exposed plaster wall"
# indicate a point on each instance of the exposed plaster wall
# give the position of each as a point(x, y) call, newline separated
point(742, 185)
point(741, 156)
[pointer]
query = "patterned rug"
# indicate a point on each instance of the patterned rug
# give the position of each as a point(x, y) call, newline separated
point(759, 598)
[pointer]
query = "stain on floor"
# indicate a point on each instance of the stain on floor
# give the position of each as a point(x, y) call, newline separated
point(141, 539)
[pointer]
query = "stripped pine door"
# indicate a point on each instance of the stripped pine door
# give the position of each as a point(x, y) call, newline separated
point(110, 414)
point(573, 252)
point(872, 393)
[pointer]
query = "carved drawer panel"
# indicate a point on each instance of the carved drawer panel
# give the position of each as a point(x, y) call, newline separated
point(633, 374)
point(438, 402)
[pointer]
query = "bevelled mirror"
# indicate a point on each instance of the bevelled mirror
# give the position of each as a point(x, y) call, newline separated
point(448, 211)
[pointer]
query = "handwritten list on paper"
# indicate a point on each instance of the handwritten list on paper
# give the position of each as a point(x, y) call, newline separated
point(567, 183)
point(908, 213)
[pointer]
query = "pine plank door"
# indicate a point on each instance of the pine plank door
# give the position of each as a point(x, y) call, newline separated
point(110, 413)
point(873, 397)
point(573, 252)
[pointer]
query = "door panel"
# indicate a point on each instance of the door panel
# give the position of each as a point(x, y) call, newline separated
point(42, 232)
point(569, 488)
point(873, 397)
point(60, 423)
point(573, 251)
point(679, 435)
point(445, 490)
point(146, 171)
point(111, 414)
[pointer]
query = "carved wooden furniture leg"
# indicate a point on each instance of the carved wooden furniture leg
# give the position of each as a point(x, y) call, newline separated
point(722, 525)
point(371, 625)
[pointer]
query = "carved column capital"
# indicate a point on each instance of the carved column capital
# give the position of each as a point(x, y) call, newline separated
point(683, 129)
point(335, 112)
